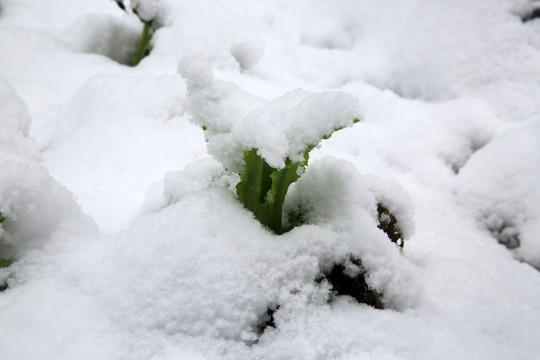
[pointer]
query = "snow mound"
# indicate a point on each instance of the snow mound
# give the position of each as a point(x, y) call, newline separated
point(218, 271)
point(107, 121)
point(31, 201)
point(499, 184)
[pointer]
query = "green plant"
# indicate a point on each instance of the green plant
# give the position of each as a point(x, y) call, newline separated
point(144, 43)
point(262, 188)
point(143, 48)
point(267, 143)
point(5, 263)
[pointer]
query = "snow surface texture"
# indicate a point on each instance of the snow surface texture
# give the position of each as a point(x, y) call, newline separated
point(128, 239)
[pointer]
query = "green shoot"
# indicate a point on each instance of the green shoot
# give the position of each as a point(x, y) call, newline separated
point(144, 43)
point(262, 188)
point(4, 263)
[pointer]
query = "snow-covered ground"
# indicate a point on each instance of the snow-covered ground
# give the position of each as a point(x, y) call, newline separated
point(127, 237)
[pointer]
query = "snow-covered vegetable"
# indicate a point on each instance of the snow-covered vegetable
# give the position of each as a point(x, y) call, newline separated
point(266, 142)
point(144, 47)
point(389, 224)
point(262, 188)
point(144, 44)
point(5, 263)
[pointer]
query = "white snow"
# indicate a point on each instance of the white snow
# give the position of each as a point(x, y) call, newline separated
point(127, 238)
point(279, 129)
point(33, 204)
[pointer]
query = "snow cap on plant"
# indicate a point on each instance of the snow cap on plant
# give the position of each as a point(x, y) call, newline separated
point(266, 142)
point(279, 129)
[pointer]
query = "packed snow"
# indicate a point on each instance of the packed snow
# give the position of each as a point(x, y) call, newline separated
point(119, 212)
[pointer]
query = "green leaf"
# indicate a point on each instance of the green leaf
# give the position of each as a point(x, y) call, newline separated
point(4, 263)
point(262, 188)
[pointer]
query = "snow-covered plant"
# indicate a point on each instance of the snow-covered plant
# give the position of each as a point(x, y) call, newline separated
point(389, 224)
point(144, 47)
point(267, 143)
point(262, 188)
point(5, 263)
point(144, 43)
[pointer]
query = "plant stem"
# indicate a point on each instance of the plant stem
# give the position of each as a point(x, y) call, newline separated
point(144, 44)
point(262, 188)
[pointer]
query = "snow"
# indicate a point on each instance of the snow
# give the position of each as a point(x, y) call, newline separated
point(127, 238)
point(279, 129)
point(504, 196)
point(32, 202)
point(105, 35)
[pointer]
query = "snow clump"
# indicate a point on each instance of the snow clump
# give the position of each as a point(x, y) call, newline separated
point(279, 129)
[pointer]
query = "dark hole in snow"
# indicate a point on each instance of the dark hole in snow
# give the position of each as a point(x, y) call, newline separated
point(120, 4)
point(4, 263)
point(507, 235)
point(531, 14)
point(503, 230)
point(265, 321)
point(389, 224)
point(349, 279)
point(458, 163)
